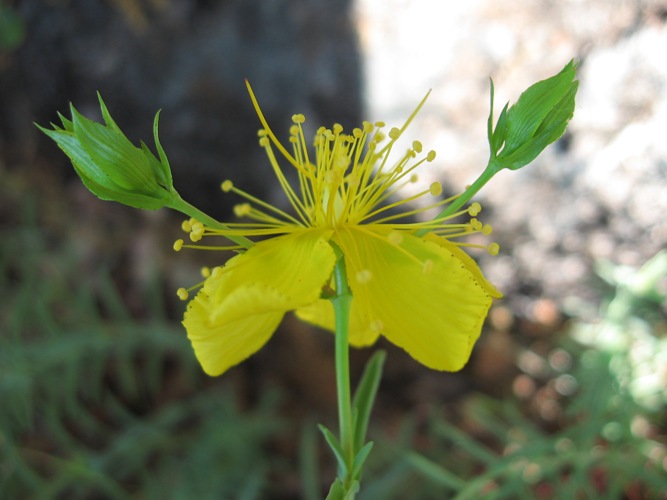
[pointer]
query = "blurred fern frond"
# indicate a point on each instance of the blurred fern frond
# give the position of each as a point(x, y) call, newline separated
point(96, 403)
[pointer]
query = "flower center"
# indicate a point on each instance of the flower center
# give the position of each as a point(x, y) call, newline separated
point(351, 182)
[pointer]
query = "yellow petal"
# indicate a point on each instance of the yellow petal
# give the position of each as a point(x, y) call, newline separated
point(419, 294)
point(468, 262)
point(240, 305)
point(321, 314)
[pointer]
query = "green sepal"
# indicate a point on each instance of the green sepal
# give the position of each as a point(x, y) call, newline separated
point(110, 166)
point(537, 119)
point(163, 164)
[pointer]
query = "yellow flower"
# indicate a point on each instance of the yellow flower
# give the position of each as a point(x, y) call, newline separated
point(410, 281)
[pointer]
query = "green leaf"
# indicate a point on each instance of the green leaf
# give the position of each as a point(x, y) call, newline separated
point(359, 460)
point(337, 491)
point(364, 397)
point(335, 446)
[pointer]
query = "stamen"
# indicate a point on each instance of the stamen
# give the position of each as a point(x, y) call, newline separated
point(182, 294)
point(227, 186)
point(205, 271)
point(178, 245)
point(242, 209)
point(493, 248)
point(435, 189)
point(474, 209)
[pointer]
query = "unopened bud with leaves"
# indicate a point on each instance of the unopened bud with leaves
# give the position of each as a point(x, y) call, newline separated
point(537, 119)
point(110, 166)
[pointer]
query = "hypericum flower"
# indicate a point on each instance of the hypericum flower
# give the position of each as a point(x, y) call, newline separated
point(423, 293)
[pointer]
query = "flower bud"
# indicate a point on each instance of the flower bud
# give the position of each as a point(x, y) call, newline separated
point(110, 166)
point(537, 119)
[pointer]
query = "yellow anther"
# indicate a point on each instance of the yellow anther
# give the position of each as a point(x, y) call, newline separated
point(186, 226)
point(264, 142)
point(337, 128)
point(379, 124)
point(227, 186)
point(475, 224)
point(417, 146)
point(493, 248)
point(487, 229)
point(427, 267)
point(357, 133)
point(435, 189)
point(364, 276)
point(298, 118)
point(414, 178)
point(262, 132)
point(430, 156)
point(294, 130)
point(474, 209)
point(368, 127)
point(395, 238)
point(182, 293)
point(205, 272)
point(394, 133)
point(242, 209)
point(178, 244)
point(195, 237)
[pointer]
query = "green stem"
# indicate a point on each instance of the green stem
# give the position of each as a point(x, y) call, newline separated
point(341, 304)
point(180, 205)
point(491, 169)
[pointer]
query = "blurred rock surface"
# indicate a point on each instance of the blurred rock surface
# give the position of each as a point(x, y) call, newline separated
point(189, 58)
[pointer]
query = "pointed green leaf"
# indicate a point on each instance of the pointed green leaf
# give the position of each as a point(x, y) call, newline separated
point(337, 491)
point(335, 446)
point(360, 459)
point(364, 396)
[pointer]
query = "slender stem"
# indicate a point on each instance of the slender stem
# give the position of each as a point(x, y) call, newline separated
point(341, 304)
point(180, 205)
point(490, 170)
